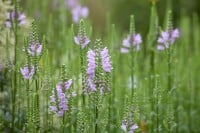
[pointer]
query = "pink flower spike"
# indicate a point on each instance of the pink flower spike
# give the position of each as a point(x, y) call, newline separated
point(105, 60)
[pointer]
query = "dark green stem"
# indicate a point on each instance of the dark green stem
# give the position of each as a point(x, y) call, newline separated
point(63, 124)
point(82, 74)
point(96, 119)
point(37, 106)
point(132, 73)
point(14, 87)
point(28, 105)
point(169, 69)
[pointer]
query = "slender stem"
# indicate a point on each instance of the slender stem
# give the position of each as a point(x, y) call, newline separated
point(82, 74)
point(96, 119)
point(157, 112)
point(63, 124)
point(37, 105)
point(152, 84)
point(28, 104)
point(15, 29)
point(132, 73)
point(169, 69)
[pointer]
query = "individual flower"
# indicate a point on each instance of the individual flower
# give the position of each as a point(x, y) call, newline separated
point(82, 41)
point(105, 60)
point(59, 98)
point(35, 49)
point(167, 38)
point(79, 12)
point(21, 18)
point(27, 72)
point(134, 40)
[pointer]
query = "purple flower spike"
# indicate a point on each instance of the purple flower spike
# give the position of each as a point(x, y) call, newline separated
point(167, 38)
point(137, 40)
point(27, 72)
point(59, 102)
point(105, 60)
point(91, 63)
point(35, 49)
point(83, 42)
point(79, 12)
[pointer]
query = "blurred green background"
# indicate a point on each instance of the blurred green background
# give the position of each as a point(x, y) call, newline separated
point(119, 10)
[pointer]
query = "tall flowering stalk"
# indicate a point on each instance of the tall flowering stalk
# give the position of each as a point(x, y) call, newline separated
point(150, 46)
point(15, 27)
point(61, 98)
point(33, 50)
point(82, 40)
point(98, 72)
point(130, 45)
point(166, 41)
point(98, 59)
point(127, 123)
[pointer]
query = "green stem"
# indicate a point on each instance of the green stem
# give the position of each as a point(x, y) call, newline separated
point(63, 124)
point(132, 73)
point(169, 69)
point(37, 106)
point(82, 74)
point(15, 29)
point(96, 119)
point(28, 104)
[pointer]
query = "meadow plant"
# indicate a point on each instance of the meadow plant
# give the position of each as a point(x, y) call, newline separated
point(59, 98)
